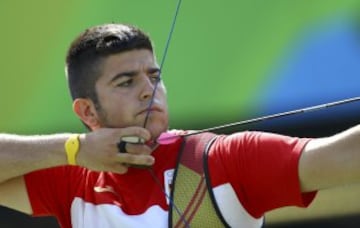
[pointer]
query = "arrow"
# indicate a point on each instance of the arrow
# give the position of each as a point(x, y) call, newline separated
point(168, 137)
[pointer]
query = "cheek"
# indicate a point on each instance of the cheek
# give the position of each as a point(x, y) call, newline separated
point(118, 117)
point(114, 109)
point(162, 94)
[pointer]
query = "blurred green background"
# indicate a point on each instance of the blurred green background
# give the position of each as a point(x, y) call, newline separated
point(228, 60)
point(221, 65)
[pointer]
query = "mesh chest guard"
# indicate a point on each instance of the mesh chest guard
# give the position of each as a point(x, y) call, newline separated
point(191, 192)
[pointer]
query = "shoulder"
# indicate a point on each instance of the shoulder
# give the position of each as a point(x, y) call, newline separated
point(257, 138)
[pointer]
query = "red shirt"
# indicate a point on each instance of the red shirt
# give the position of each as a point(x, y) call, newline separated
point(251, 173)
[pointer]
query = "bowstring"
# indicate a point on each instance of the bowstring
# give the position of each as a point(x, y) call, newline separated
point(167, 45)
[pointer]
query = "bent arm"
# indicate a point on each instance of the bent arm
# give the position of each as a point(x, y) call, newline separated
point(13, 194)
point(331, 161)
point(20, 155)
point(23, 154)
point(98, 151)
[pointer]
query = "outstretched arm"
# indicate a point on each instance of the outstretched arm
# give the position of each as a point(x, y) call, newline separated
point(331, 161)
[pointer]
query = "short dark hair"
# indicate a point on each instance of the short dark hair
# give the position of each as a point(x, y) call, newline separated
point(88, 51)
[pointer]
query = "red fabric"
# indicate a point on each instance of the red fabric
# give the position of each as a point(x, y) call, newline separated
point(262, 168)
point(51, 191)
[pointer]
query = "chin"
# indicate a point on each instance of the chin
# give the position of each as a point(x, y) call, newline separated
point(156, 129)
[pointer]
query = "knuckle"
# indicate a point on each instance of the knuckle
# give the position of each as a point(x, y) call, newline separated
point(142, 132)
point(138, 131)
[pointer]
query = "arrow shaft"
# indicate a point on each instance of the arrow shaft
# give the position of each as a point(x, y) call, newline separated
point(278, 115)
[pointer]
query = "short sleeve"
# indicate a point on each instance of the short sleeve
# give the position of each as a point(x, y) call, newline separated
point(262, 168)
point(51, 190)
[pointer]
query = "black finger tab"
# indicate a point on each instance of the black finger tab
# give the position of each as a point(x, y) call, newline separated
point(121, 146)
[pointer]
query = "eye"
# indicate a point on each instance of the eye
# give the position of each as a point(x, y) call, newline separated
point(155, 77)
point(126, 83)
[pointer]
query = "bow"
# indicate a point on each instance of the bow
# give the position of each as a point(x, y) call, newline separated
point(167, 138)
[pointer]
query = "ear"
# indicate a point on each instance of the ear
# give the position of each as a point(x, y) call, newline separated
point(86, 111)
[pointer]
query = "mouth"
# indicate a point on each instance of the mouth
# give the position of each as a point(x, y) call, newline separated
point(151, 109)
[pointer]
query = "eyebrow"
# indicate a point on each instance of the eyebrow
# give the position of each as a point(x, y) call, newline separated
point(130, 74)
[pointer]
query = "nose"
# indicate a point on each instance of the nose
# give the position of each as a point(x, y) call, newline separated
point(147, 89)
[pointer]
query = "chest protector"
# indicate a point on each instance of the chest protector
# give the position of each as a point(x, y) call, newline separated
point(193, 203)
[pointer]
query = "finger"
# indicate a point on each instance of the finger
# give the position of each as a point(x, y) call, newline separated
point(140, 166)
point(125, 147)
point(120, 168)
point(122, 146)
point(132, 139)
point(132, 134)
point(135, 159)
point(138, 148)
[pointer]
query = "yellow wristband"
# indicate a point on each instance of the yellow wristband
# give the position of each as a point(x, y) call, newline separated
point(72, 146)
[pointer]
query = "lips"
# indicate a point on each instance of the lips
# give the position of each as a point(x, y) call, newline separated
point(151, 109)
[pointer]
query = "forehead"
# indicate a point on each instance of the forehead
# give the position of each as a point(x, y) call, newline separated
point(134, 60)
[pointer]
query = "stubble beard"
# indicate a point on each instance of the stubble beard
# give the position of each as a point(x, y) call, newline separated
point(104, 119)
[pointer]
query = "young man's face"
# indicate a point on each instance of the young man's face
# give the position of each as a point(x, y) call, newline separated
point(124, 92)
